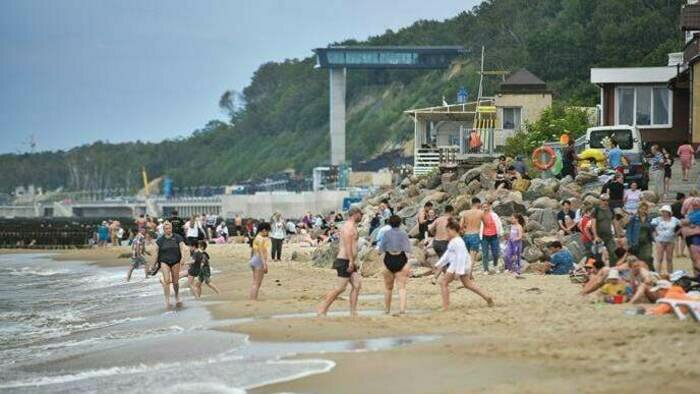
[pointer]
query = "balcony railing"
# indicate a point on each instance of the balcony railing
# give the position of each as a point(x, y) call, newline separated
point(492, 144)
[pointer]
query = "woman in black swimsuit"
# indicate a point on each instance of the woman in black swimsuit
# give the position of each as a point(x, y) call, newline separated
point(168, 256)
point(396, 246)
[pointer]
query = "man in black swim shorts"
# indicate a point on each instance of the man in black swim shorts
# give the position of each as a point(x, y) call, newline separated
point(346, 265)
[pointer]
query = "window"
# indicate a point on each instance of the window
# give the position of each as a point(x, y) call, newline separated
point(453, 139)
point(643, 106)
point(622, 137)
point(511, 118)
point(661, 101)
point(360, 57)
point(397, 58)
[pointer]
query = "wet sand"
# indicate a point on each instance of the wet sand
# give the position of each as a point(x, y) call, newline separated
point(540, 337)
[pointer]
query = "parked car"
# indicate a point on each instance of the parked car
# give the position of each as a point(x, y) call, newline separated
point(629, 140)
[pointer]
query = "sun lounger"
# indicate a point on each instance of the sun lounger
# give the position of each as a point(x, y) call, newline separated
point(692, 306)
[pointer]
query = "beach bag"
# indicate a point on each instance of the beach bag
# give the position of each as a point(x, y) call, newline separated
point(521, 185)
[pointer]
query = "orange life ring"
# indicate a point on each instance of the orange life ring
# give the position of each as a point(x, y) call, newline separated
point(537, 157)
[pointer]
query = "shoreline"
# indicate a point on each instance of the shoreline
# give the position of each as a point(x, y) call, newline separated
point(538, 324)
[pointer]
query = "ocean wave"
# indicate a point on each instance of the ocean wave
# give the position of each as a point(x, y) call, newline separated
point(18, 354)
point(25, 271)
point(112, 371)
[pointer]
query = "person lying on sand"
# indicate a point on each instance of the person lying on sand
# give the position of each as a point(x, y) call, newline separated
point(458, 265)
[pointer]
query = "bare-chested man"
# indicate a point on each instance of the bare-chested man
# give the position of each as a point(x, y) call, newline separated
point(440, 236)
point(346, 265)
point(471, 226)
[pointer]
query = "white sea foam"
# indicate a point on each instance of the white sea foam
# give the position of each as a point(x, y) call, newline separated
point(26, 271)
point(112, 371)
point(328, 366)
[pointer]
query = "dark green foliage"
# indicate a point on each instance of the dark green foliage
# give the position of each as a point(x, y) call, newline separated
point(284, 123)
point(555, 121)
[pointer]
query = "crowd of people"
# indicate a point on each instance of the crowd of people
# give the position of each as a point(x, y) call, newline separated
point(629, 248)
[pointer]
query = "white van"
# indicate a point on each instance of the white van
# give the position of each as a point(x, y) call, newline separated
point(629, 140)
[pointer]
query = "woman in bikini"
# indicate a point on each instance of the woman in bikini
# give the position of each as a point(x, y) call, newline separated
point(396, 247)
point(261, 253)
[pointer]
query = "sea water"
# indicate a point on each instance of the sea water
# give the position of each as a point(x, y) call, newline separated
point(71, 326)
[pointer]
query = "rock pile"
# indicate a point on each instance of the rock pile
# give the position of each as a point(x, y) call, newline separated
point(538, 200)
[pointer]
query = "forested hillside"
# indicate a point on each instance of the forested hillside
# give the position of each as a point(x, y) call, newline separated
point(284, 123)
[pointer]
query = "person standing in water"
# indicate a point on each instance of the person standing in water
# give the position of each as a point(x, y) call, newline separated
point(169, 252)
point(138, 250)
point(204, 272)
point(459, 266)
point(346, 264)
point(259, 261)
point(396, 246)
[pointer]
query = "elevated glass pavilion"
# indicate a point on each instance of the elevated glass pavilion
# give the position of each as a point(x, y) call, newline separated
point(337, 59)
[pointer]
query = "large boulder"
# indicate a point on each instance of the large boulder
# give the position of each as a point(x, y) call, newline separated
point(433, 181)
point(412, 191)
point(591, 200)
point(547, 218)
point(471, 175)
point(447, 177)
point(532, 254)
point(451, 188)
point(575, 246)
point(474, 187)
point(542, 242)
point(542, 187)
point(586, 177)
point(545, 202)
point(408, 212)
point(325, 255)
point(508, 207)
point(462, 202)
point(435, 197)
point(371, 262)
point(487, 178)
point(406, 182)
point(566, 180)
point(567, 192)
point(532, 226)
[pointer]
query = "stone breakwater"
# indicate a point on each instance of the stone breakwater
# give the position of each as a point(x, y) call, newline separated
point(538, 200)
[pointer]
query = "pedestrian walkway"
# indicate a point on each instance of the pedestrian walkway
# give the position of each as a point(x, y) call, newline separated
point(677, 183)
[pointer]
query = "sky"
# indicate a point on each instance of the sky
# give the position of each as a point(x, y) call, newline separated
point(75, 72)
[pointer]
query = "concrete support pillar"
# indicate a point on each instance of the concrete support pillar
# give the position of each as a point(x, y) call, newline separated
point(337, 112)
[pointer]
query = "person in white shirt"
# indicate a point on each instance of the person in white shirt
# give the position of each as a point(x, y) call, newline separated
point(192, 229)
point(459, 266)
point(277, 235)
point(222, 230)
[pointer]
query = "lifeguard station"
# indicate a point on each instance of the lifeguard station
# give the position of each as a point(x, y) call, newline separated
point(473, 132)
point(450, 134)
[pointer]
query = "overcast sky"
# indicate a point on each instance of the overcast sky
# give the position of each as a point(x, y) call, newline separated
point(74, 72)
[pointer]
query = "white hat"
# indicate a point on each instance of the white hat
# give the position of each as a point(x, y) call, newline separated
point(666, 208)
point(661, 284)
point(613, 274)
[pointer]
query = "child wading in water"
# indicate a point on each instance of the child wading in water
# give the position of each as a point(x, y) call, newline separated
point(514, 249)
point(204, 272)
point(459, 266)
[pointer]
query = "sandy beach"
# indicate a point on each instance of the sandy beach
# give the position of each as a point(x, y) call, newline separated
point(540, 337)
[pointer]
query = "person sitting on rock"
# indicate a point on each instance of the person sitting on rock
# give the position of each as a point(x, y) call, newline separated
point(560, 260)
point(566, 219)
